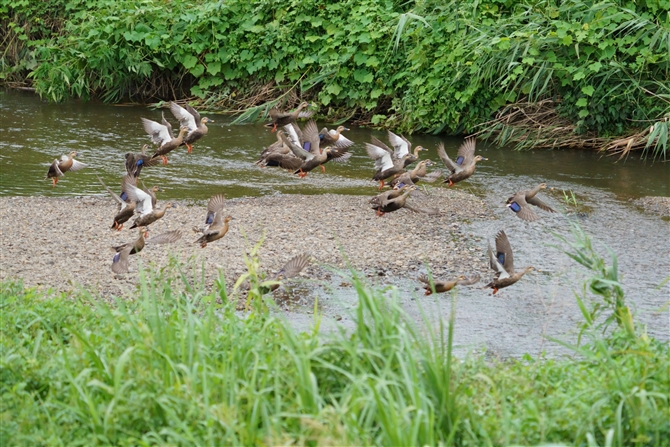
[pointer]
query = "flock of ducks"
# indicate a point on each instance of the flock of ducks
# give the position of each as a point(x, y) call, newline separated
point(301, 150)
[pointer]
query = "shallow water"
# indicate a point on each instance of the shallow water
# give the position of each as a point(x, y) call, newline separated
point(512, 323)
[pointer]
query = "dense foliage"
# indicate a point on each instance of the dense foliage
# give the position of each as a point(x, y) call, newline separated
point(430, 65)
point(179, 366)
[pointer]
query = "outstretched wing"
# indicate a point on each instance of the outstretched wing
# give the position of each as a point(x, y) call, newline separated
point(183, 116)
point(293, 267)
point(401, 145)
point(296, 149)
point(448, 162)
point(120, 261)
point(135, 194)
point(540, 204)
point(466, 153)
point(504, 252)
point(214, 205)
point(165, 238)
point(379, 154)
point(159, 133)
point(474, 279)
point(518, 204)
point(76, 165)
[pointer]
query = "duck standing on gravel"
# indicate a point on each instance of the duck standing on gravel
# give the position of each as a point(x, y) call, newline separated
point(66, 163)
point(190, 118)
point(120, 261)
point(465, 163)
point(503, 264)
point(216, 226)
point(521, 201)
point(445, 286)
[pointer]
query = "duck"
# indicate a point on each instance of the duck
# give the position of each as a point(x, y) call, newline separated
point(66, 163)
point(152, 192)
point(216, 226)
point(136, 161)
point(291, 269)
point(120, 260)
point(521, 201)
point(334, 137)
point(388, 162)
point(391, 200)
point(416, 175)
point(445, 286)
point(143, 203)
point(161, 134)
point(502, 264)
point(465, 163)
point(126, 207)
point(310, 150)
point(280, 118)
point(190, 118)
point(279, 153)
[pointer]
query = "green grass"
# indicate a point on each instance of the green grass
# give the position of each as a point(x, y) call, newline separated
point(177, 365)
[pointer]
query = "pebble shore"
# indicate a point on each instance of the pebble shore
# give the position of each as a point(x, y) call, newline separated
point(65, 243)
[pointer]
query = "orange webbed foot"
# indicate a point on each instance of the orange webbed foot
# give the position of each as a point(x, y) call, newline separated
point(323, 168)
point(274, 128)
point(165, 159)
point(428, 292)
point(495, 290)
point(451, 183)
point(189, 148)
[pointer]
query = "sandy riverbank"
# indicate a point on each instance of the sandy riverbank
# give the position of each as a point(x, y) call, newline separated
point(65, 242)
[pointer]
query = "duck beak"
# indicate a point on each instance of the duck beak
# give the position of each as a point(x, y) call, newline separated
point(485, 159)
point(346, 128)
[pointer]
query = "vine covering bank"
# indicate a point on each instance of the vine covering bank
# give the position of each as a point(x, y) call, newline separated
point(599, 69)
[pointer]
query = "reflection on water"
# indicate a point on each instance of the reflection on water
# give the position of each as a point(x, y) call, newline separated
point(35, 132)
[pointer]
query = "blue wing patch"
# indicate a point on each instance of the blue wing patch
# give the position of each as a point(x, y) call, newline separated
point(515, 207)
point(307, 145)
point(459, 160)
point(501, 258)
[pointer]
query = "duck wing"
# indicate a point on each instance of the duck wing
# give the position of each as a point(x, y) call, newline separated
point(448, 162)
point(474, 279)
point(518, 204)
point(294, 266)
point(194, 113)
point(401, 145)
point(54, 170)
point(338, 155)
point(122, 203)
point(135, 194)
point(380, 154)
point(158, 132)
point(183, 116)
point(120, 261)
point(215, 205)
point(504, 252)
point(540, 204)
point(299, 152)
point(165, 238)
point(166, 123)
point(466, 153)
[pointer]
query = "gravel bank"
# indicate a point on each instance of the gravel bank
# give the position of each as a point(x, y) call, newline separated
point(655, 205)
point(65, 242)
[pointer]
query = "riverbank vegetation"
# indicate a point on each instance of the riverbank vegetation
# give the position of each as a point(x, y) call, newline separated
point(594, 74)
point(178, 365)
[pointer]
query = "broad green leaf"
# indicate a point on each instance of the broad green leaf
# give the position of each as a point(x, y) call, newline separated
point(189, 61)
point(588, 90)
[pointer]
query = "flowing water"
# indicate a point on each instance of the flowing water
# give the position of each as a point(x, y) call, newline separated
point(35, 132)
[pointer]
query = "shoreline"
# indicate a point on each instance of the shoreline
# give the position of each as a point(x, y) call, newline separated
point(65, 243)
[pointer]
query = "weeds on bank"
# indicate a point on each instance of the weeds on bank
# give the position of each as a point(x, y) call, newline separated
point(178, 365)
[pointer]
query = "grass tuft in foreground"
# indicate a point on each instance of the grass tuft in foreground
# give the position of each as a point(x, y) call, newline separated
point(175, 366)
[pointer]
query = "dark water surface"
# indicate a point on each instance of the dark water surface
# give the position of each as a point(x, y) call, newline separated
point(514, 322)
